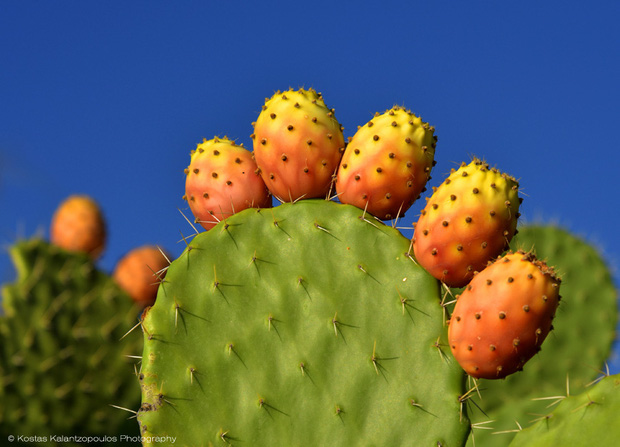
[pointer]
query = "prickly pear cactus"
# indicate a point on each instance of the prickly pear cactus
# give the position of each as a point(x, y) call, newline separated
point(589, 418)
point(62, 365)
point(305, 324)
point(584, 330)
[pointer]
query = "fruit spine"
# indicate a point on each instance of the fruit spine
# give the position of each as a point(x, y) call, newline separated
point(298, 144)
point(387, 163)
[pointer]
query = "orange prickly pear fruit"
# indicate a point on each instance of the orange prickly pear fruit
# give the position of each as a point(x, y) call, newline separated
point(222, 180)
point(78, 225)
point(139, 273)
point(298, 144)
point(505, 313)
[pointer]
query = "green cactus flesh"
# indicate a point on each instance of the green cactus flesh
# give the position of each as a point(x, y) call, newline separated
point(306, 324)
point(62, 365)
point(575, 351)
point(587, 419)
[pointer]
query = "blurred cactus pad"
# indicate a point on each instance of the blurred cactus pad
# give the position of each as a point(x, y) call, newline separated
point(305, 324)
point(575, 352)
point(587, 419)
point(62, 361)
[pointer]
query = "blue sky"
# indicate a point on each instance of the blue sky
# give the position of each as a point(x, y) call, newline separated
point(109, 98)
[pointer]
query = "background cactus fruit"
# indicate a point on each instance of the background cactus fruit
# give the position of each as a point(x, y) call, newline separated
point(469, 220)
point(222, 180)
point(78, 225)
point(284, 328)
point(387, 163)
point(298, 144)
point(139, 273)
point(503, 316)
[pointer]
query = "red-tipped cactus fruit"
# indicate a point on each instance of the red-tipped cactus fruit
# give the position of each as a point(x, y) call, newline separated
point(222, 180)
point(504, 315)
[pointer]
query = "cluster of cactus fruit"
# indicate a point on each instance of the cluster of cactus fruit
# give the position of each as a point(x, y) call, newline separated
point(314, 322)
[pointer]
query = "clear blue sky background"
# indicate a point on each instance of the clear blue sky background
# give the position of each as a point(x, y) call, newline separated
point(108, 98)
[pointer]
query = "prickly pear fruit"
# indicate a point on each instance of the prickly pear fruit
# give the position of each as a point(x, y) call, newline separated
point(222, 180)
point(469, 220)
point(139, 273)
point(298, 144)
point(504, 315)
point(387, 163)
point(78, 225)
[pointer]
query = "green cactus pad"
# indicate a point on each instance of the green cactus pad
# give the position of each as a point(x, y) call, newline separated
point(306, 324)
point(576, 349)
point(587, 419)
point(62, 365)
